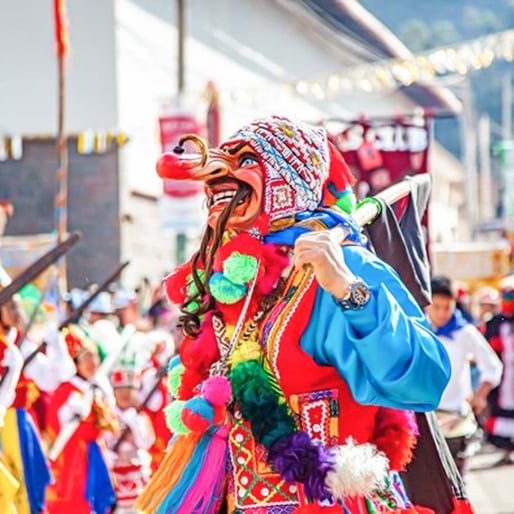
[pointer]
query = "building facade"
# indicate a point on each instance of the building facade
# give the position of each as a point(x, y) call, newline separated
point(121, 75)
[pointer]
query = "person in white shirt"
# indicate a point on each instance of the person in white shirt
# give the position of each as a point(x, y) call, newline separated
point(464, 344)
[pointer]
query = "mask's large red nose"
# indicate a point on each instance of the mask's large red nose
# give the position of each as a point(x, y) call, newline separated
point(182, 165)
point(173, 166)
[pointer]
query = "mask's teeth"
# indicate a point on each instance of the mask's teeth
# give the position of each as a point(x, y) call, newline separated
point(222, 197)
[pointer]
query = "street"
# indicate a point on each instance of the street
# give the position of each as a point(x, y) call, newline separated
point(490, 487)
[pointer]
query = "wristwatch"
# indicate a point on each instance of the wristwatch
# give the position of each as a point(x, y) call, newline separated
point(356, 297)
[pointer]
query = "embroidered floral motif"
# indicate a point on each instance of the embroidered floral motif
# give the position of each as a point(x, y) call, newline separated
point(282, 198)
point(318, 413)
point(253, 481)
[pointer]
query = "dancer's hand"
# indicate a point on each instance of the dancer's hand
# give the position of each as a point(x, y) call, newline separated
point(322, 251)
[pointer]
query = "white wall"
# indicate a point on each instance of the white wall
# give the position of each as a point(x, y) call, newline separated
point(249, 48)
point(28, 77)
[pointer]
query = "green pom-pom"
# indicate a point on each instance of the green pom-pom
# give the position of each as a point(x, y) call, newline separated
point(192, 307)
point(240, 269)
point(192, 289)
point(173, 413)
point(224, 290)
point(174, 377)
point(347, 202)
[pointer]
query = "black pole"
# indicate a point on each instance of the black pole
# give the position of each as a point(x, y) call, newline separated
point(181, 238)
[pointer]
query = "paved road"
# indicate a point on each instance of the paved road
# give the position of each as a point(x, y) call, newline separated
point(490, 487)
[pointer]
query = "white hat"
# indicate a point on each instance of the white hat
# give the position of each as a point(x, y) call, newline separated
point(123, 298)
point(488, 295)
point(102, 304)
point(76, 297)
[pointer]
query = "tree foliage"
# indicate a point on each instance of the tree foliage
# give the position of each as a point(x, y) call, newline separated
point(423, 25)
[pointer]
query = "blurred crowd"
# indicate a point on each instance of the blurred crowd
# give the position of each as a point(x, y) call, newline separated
point(82, 424)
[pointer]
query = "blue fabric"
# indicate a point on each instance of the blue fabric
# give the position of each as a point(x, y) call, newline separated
point(336, 193)
point(456, 322)
point(329, 217)
point(99, 489)
point(385, 352)
point(36, 472)
point(174, 362)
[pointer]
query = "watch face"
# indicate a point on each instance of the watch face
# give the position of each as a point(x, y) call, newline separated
point(360, 294)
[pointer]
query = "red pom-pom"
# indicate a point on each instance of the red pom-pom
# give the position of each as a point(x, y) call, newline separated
point(396, 435)
point(175, 284)
point(200, 353)
point(274, 262)
point(462, 507)
point(231, 313)
point(217, 390)
point(194, 421)
point(262, 224)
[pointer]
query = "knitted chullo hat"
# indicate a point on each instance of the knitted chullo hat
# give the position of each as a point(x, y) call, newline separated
point(298, 161)
point(77, 342)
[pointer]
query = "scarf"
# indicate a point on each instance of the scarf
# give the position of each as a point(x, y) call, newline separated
point(456, 322)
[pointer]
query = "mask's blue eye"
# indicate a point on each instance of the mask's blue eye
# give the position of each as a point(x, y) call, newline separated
point(248, 160)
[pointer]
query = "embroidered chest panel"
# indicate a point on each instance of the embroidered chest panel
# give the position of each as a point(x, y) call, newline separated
point(318, 415)
point(254, 488)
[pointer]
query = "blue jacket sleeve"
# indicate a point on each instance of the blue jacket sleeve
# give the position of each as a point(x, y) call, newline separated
point(385, 352)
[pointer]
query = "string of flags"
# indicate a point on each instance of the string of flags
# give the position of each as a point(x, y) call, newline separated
point(100, 141)
point(461, 59)
point(88, 142)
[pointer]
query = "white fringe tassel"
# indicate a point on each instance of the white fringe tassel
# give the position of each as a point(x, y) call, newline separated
point(359, 470)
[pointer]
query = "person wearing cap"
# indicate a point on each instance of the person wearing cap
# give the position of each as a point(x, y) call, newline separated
point(126, 307)
point(463, 342)
point(100, 325)
point(20, 437)
point(499, 332)
point(129, 444)
point(82, 482)
point(488, 303)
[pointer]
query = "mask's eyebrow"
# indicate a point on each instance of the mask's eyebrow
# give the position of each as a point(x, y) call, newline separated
point(236, 148)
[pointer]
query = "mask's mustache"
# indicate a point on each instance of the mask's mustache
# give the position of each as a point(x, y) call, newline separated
point(211, 242)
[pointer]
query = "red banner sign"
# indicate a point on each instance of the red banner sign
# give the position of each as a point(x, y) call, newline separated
point(171, 128)
point(381, 154)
